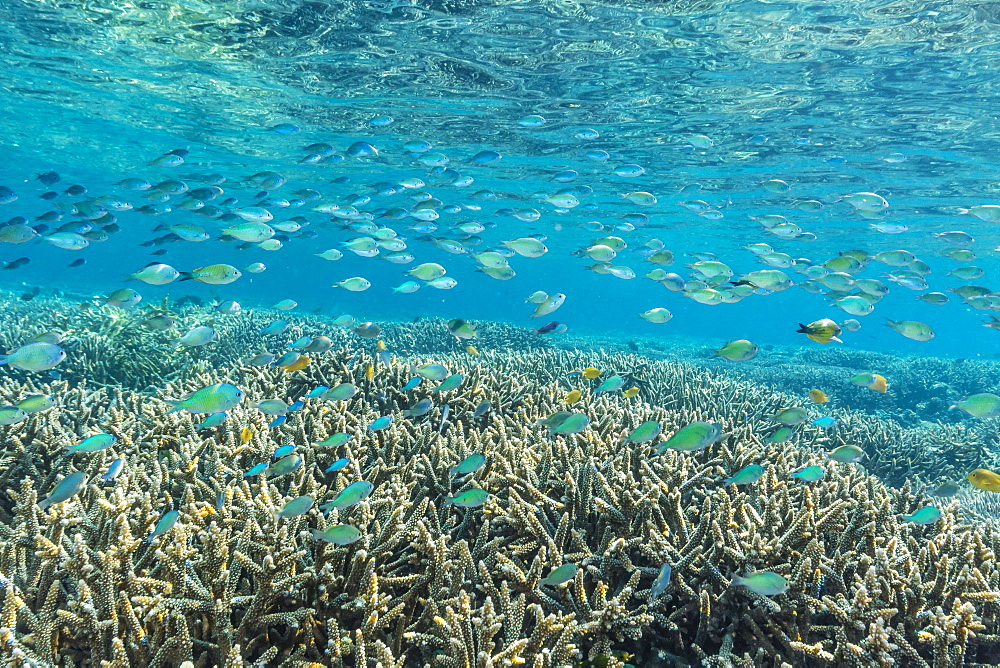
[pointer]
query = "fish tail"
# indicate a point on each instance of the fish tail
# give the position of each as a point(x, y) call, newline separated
point(185, 276)
point(44, 503)
point(176, 406)
point(3, 359)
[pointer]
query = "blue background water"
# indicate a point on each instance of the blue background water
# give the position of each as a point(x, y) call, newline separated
point(95, 90)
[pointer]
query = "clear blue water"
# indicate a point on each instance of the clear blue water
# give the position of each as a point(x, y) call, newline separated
point(816, 94)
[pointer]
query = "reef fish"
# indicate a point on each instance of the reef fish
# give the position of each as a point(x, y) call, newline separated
point(573, 423)
point(872, 381)
point(300, 505)
point(95, 443)
point(660, 583)
point(985, 405)
point(66, 489)
point(165, 524)
point(217, 398)
point(818, 396)
point(560, 575)
point(37, 356)
point(351, 495)
point(432, 371)
point(470, 464)
point(341, 534)
point(612, 384)
point(926, 515)
point(810, 473)
point(645, 432)
point(985, 479)
point(335, 440)
point(471, 498)
point(764, 583)
point(821, 331)
point(695, 436)
point(912, 329)
point(737, 351)
point(791, 416)
point(746, 475)
point(846, 454)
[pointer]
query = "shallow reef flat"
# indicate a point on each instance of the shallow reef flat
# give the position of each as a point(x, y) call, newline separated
point(236, 581)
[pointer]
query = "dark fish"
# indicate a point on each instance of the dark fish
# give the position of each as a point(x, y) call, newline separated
point(30, 294)
point(48, 178)
point(161, 251)
point(50, 195)
point(77, 263)
point(19, 262)
point(341, 180)
point(547, 327)
point(76, 190)
point(182, 152)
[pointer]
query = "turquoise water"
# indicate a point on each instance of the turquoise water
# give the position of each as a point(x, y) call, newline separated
point(832, 99)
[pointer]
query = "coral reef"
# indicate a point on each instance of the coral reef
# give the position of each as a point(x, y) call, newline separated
point(428, 584)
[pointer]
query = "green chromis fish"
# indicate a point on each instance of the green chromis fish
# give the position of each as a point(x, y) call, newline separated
point(11, 415)
point(470, 464)
point(341, 534)
point(985, 405)
point(746, 475)
point(297, 506)
point(95, 443)
point(257, 469)
point(165, 524)
point(809, 474)
point(450, 383)
point(352, 495)
point(926, 515)
point(660, 583)
point(213, 420)
point(764, 583)
point(573, 423)
point(217, 398)
point(432, 371)
point(560, 575)
point(66, 488)
point(791, 416)
point(380, 423)
point(284, 466)
point(612, 384)
point(737, 351)
point(341, 392)
point(695, 436)
point(645, 432)
point(335, 440)
point(472, 498)
point(846, 454)
point(37, 356)
point(946, 489)
point(780, 435)
point(36, 403)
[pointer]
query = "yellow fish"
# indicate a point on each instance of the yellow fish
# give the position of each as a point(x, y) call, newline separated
point(380, 344)
point(472, 350)
point(984, 479)
point(818, 396)
point(369, 372)
point(591, 372)
point(573, 396)
point(821, 331)
point(631, 392)
point(245, 435)
point(297, 365)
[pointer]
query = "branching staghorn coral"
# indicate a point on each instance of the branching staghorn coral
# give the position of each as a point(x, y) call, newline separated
point(435, 585)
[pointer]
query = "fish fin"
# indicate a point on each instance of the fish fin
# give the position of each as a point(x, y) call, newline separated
point(3, 359)
point(185, 276)
point(44, 503)
point(834, 338)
